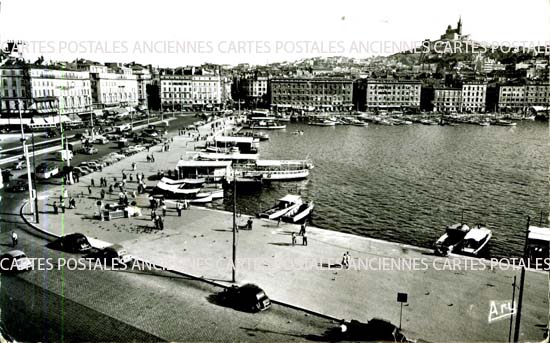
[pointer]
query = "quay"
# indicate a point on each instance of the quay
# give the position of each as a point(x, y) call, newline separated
point(444, 303)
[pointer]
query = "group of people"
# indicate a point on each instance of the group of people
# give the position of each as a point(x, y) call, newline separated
point(302, 233)
point(72, 204)
point(150, 158)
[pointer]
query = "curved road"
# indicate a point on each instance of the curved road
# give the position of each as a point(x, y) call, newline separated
point(131, 305)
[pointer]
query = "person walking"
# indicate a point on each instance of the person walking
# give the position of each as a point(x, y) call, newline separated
point(345, 260)
point(249, 223)
point(134, 166)
point(178, 208)
point(304, 239)
point(89, 190)
point(92, 182)
point(13, 239)
point(55, 209)
point(302, 230)
point(161, 223)
point(153, 214)
point(293, 238)
point(102, 193)
point(62, 204)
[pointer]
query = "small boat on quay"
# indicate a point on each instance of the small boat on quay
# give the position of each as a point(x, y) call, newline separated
point(475, 240)
point(454, 234)
point(287, 203)
point(299, 214)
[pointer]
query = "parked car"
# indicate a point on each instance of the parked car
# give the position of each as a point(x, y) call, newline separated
point(248, 297)
point(74, 242)
point(116, 155)
point(80, 171)
point(139, 148)
point(14, 261)
point(93, 165)
point(376, 330)
point(101, 140)
point(17, 187)
point(114, 254)
point(86, 169)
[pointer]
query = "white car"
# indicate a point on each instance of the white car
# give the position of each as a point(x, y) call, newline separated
point(139, 148)
point(14, 261)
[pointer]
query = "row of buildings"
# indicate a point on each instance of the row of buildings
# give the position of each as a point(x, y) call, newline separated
point(84, 87)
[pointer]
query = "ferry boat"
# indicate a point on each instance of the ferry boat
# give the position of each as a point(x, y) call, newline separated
point(287, 203)
point(299, 214)
point(276, 170)
point(246, 145)
point(209, 170)
point(475, 240)
point(267, 125)
point(454, 234)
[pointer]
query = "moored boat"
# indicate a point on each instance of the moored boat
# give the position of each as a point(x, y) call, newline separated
point(284, 205)
point(475, 241)
point(454, 234)
point(322, 122)
point(299, 214)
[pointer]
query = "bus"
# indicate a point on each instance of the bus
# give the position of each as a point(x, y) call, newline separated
point(46, 170)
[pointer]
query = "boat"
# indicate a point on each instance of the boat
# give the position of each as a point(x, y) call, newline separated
point(181, 190)
point(357, 122)
point(484, 123)
point(202, 199)
point(428, 122)
point(287, 203)
point(262, 136)
point(454, 234)
point(474, 241)
point(501, 122)
point(322, 122)
point(267, 125)
point(299, 214)
point(275, 170)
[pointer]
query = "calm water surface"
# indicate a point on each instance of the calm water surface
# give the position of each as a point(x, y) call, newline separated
point(405, 183)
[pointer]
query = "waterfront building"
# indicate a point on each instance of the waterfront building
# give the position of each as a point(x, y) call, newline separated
point(182, 89)
point(516, 98)
point(44, 90)
point(474, 97)
point(511, 98)
point(144, 78)
point(384, 94)
point(447, 100)
point(312, 94)
point(254, 89)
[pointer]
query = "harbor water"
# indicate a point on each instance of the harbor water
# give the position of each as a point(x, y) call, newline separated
point(406, 183)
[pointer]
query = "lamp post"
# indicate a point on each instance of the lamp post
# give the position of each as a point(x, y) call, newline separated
point(37, 218)
point(234, 255)
point(26, 154)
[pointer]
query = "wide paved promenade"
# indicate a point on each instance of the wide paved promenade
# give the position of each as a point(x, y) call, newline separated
point(448, 299)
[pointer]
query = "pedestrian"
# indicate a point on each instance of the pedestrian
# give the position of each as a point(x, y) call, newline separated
point(124, 177)
point(249, 223)
point(161, 223)
point(72, 203)
point(90, 190)
point(131, 178)
point(55, 209)
point(178, 208)
point(134, 166)
point(13, 239)
point(102, 192)
point(304, 239)
point(293, 238)
point(278, 221)
point(148, 157)
point(62, 204)
point(155, 221)
point(302, 230)
point(163, 209)
point(110, 189)
point(93, 182)
point(153, 213)
point(345, 260)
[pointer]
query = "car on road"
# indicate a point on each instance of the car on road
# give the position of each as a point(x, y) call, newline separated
point(14, 261)
point(92, 165)
point(113, 136)
point(139, 148)
point(20, 165)
point(87, 169)
point(116, 155)
point(248, 297)
point(113, 254)
point(89, 150)
point(74, 242)
point(17, 187)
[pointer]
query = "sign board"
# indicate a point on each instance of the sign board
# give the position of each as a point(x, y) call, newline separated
point(402, 297)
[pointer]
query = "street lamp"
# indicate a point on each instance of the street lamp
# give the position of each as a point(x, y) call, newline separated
point(26, 154)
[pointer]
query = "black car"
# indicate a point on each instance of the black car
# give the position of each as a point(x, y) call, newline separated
point(378, 330)
point(17, 187)
point(74, 242)
point(248, 297)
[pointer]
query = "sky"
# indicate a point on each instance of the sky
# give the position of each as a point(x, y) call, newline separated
point(174, 33)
